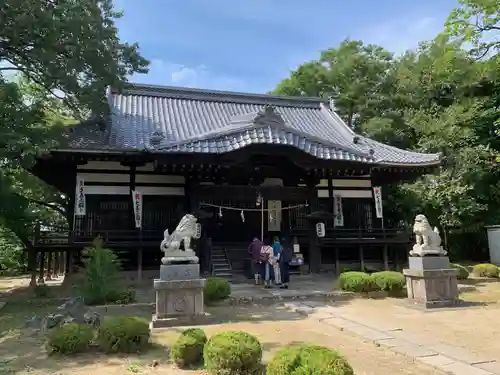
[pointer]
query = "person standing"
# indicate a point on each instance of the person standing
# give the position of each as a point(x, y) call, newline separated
point(254, 250)
point(277, 249)
point(267, 258)
point(284, 263)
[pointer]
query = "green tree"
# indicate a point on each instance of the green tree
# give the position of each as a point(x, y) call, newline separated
point(65, 54)
point(476, 22)
point(354, 75)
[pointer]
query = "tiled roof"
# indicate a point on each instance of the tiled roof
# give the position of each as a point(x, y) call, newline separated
point(171, 119)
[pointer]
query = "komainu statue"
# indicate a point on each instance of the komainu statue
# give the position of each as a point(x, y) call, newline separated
point(428, 241)
point(186, 229)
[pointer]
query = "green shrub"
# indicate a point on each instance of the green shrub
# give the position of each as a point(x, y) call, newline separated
point(100, 282)
point(216, 289)
point(121, 296)
point(356, 282)
point(308, 359)
point(389, 281)
point(126, 334)
point(188, 349)
point(485, 270)
point(229, 353)
point(197, 333)
point(70, 339)
point(463, 272)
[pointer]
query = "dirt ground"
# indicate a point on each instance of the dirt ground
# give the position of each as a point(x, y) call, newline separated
point(23, 354)
point(473, 328)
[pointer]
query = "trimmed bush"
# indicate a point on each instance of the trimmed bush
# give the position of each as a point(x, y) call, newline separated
point(389, 281)
point(485, 270)
point(188, 349)
point(121, 297)
point(70, 339)
point(232, 352)
point(463, 272)
point(125, 334)
point(308, 359)
point(216, 289)
point(357, 282)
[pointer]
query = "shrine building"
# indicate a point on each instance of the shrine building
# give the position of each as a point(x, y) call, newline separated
point(246, 165)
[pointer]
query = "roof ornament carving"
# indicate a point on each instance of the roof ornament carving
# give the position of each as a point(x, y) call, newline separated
point(156, 138)
point(269, 116)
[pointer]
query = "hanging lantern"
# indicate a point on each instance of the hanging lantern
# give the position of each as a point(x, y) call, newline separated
point(220, 212)
point(258, 201)
point(242, 215)
point(197, 233)
point(320, 230)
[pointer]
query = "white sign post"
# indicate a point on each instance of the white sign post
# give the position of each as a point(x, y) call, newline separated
point(377, 196)
point(80, 206)
point(137, 202)
point(338, 211)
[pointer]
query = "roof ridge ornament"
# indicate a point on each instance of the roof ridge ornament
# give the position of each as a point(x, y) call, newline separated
point(156, 138)
point(269, 116)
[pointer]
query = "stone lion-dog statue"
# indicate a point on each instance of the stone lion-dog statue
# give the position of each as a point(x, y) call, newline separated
point(427, 240)
point(185, 230)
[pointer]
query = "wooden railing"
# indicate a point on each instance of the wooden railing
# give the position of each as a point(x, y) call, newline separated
point(115, 238)
point(129, 238)
point(359, 235)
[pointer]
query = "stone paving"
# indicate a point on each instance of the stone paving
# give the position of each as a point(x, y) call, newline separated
point(447, 358)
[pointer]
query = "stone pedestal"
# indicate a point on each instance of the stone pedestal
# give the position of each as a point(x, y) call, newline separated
point(178, 295)
point(179, 257)
point(431, 282)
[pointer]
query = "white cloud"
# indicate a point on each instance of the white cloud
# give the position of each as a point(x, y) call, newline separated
point(403, 34)
point(166, 73)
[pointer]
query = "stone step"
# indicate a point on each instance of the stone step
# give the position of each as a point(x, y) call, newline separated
point(222, 269)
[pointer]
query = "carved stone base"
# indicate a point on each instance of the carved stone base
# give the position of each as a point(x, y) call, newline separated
point(197, 320)
point(179, 298)
point(428, 263)
point(179, 256)
point(177, 272)
point(422, 251)
point(431, 283)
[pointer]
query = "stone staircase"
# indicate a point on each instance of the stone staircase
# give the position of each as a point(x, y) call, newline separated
point(221, 266)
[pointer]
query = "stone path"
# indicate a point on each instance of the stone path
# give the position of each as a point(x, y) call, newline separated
point(448, 358)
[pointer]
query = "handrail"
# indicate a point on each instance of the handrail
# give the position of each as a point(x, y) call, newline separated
point(227, 259)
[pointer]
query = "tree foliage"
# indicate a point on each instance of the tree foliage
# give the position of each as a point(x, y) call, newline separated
point(56, 60)
point(437, 98)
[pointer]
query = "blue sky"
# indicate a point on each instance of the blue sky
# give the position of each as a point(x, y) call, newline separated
point(250, 45)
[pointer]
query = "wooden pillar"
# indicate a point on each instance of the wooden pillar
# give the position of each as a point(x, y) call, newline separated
point(62, 263)
point(139, 264)
point(68, 262)
point(42, 268)
point(32, 266)
point(314, 249)
point(55, 271)
point(48, 276)
point(337, 262)
point(362, 258)
point(386, 258)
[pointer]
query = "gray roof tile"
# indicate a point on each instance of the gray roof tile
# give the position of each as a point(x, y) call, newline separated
point(202, 121)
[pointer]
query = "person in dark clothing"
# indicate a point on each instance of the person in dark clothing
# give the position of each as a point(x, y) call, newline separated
point(284, 262)
point(254, 251)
